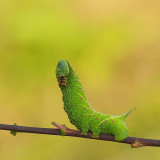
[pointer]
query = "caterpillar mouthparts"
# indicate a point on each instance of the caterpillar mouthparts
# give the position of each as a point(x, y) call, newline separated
point(62, 81)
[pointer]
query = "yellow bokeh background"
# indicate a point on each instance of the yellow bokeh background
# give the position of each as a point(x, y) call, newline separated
point(114, 47)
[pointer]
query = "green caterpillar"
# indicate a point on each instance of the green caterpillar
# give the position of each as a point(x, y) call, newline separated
point(79, 110)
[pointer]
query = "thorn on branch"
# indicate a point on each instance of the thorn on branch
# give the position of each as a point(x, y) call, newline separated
point(64, 130)
point(137, 144)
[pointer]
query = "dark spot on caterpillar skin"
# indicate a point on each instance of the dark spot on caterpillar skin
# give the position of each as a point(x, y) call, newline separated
point(84, 107)
point(81, 98)
point(112, 121)
point(62, 84)
point(80, 88)
point(62, 81)
point(89, 115)
point(97, 118)
point(64, 108)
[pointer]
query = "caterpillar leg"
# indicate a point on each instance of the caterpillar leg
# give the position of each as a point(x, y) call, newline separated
point(84, 129)
point(84, 126)
point(119, 136)
point(84, 133)
point(95, 135)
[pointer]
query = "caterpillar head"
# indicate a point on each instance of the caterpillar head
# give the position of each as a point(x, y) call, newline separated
point(62, 71)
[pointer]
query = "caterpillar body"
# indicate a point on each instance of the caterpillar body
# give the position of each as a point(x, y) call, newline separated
point(80, 112)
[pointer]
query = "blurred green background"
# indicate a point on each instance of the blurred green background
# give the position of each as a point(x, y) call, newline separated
point(114, 47)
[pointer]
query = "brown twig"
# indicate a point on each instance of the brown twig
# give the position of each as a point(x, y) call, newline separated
point(135, 142)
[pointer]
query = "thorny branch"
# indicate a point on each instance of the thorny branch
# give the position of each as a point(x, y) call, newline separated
point(133, 141)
